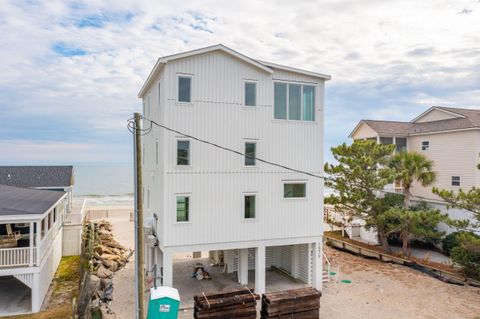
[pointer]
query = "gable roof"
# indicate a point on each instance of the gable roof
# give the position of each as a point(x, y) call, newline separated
point(26, 201)
point(467, 119)
point(37, 176)
point(264, 66)
point(450, 111)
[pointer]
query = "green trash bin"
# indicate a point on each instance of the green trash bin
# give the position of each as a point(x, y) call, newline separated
point(164, 303)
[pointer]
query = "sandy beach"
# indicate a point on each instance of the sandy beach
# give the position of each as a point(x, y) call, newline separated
point(377, 290)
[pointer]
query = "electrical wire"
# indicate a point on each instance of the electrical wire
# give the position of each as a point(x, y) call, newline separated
point(131, 128)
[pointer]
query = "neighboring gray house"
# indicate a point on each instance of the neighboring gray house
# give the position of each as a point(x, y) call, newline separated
point(31, 232)
point(57, 178)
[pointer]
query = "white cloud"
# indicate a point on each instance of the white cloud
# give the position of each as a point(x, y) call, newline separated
point(391, 55)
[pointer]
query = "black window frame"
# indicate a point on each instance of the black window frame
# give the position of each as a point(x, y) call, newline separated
point(249, 206)
point(285, 184)
point(456, 180)
point(186, 199)
point(250, 160)
point(179, 157)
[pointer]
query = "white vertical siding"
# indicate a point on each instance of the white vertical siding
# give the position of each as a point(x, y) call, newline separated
point(217, 180)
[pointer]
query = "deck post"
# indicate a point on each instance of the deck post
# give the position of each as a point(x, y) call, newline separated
point(35, 292)
point(243, 266)
point(37, 241)
point(260, 270)
point(30, 261)
point(167, 268)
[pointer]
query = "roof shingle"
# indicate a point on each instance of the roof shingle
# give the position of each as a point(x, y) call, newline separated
point(26, 201)
point(36, 176)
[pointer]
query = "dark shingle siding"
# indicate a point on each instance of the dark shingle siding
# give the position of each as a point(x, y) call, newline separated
point(36, 176)
point(26, 201)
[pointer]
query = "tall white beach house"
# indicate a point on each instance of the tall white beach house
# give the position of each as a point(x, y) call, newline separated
point(203, 198)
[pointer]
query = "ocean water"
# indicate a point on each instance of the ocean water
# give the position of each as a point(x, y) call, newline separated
point(101, 180)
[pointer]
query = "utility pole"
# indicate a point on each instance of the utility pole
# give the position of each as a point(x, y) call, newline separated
point(139, 259)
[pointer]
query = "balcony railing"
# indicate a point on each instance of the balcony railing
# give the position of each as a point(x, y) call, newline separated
point(17, 257)
point(395, 190)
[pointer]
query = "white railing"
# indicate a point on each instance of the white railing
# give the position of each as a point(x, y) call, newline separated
point(47, 241)
point(395, 190)
point(16, 257)
point(328, 264)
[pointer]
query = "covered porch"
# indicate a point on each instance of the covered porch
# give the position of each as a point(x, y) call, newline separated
point(25, 233)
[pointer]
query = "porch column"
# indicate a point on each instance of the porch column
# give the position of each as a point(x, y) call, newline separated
point(295, 260)
point(37, 240)
point(317, 266)
point(31, 245)
point(260, 270)
point(167, 269)
point(395, 143)
point(243, 266)
point(378, 139)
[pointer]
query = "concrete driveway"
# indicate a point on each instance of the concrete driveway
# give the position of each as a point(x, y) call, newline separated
point(15, 297)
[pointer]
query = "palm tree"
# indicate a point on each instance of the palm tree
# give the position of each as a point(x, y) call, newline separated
point(411, 167)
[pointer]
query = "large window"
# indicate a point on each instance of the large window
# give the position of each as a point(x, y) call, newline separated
point(294, 101)
point(184, 89)
point(250, 153)
point(183, 208)
point(455, 180)
point(249, 206)
point(294, 190)
point(183, 152)
point(250, 94)
point(425, 145)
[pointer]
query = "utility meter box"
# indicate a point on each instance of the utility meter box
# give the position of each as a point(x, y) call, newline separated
point(164, 303)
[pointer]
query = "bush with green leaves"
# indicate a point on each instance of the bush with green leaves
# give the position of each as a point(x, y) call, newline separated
point(467, 254)
point(449, 242)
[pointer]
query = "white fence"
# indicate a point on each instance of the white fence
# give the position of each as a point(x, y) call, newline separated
point(16, 257)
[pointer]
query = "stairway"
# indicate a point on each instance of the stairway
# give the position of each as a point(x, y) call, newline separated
point(325, 276)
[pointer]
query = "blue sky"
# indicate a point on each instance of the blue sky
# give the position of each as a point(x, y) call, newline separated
point(70, 71)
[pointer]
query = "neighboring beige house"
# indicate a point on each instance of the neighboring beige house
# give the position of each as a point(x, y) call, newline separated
point(448, 136)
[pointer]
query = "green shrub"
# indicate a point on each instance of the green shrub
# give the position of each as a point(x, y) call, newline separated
point(467, 254)
point(449, 242)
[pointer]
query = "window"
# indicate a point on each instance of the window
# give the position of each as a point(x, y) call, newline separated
point(425, 145)
point(250, 94)
point(156, 152)
point(184, 89)
point(249, 206)
point(294, 190)
point(280, 101)
point(295, 100)
point(455, 180)
point(308, 103)
point(183, 152)
point(183, 208)
point(250, 151)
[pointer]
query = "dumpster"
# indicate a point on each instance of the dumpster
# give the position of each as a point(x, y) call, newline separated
point(164, 303)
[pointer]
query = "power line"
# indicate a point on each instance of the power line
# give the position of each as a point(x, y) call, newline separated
point(145, 131)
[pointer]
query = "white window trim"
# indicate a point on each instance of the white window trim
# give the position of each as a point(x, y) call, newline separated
point(315, 101)
point(295, 182)
point(428, 146)
point(192, 90)
point(189, 195)
point(253, 141)
point(250, 107)
point(243, 206)
point(182, 139)
point(459, 181)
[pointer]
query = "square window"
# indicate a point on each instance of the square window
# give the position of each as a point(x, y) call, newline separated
point(184, 89)
point(183, 208)
point(250, 94)
point(425, 145)
point(183, 152)
point(250, 153)
point(249, 206)
point(294, 190)
point(455, 180)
